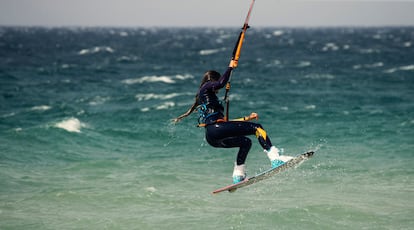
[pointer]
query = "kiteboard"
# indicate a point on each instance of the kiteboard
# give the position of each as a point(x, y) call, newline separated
point(268, 173)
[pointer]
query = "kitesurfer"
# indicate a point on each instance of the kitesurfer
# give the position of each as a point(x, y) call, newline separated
point(223, 133)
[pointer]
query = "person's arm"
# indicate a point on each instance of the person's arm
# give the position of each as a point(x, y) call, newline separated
point(247, 118)
point(225, 77)
point(189, 111)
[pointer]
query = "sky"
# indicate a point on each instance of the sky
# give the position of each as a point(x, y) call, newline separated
point(200, 13)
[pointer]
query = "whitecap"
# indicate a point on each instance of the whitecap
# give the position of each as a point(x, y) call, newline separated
point(407, 44)
point(210, 51)
point(40, 108)
point(310, 107)
point(401, 68)
point(330, 47)
point(302, 64)
point(369, 51)
point(70, 125)
point(164, 79)
point(184, 77)
point(408, 67)
point(123, 34)
point(392, 70)
point(150, 189)
point(8, 115)
point(98, 100)
point(127, 59)
point(96, 49)
point(165, 105)
point(319, 76)
point(150, 96)
point(152, 79)
point(369, 66)
point(278, 33)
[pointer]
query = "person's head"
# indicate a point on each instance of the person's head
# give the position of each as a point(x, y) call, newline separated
point(210, 75)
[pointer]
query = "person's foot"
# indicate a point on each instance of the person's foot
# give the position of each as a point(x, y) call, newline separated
point(275, 158)
point(239, 173)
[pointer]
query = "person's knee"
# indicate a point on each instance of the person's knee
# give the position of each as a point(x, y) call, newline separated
point(247, 143)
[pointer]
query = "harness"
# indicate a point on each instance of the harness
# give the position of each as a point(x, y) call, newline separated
point(203, 115)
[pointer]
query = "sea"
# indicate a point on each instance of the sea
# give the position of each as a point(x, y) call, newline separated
point(87, 139)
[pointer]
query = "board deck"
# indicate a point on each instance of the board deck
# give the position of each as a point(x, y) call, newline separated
point(266, 174)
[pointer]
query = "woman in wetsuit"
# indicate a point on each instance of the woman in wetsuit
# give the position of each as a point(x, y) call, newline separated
point(221, 133)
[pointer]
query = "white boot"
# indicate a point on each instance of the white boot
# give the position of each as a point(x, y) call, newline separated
point(272, 153)
point(275, 158)
point(239, 173)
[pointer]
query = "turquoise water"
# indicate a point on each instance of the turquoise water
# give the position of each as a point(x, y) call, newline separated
point(86, 140)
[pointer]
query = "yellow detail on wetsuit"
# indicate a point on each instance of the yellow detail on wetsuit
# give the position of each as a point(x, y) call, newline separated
point(261, 133)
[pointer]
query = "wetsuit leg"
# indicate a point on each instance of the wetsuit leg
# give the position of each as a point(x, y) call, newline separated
point(243, 142)
point(232, 134)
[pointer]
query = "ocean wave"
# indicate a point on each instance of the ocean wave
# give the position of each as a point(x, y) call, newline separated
point(152, 79)
point(165, 105)
point(152, 96)
point(98, 100)
point(40, 108)
point(330, 47)
point(96, 49)
point(70, 125)
point(369, 51)
point(211, 51)
point(302, 64)
point(319, 76)
point(401, 68)
point(278, 33)
point(310, 107)
point(369, 66)
point(128, 58)
point(162, 106)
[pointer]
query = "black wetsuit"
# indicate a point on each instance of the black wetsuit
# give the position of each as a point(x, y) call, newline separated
point(228, 134)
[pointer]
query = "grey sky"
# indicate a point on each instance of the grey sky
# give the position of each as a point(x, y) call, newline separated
point(205, 13)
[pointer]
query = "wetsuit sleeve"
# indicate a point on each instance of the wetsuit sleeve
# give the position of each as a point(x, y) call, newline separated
point(223, 79)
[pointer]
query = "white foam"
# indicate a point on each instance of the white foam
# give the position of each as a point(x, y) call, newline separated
point(96, 49)
point(408, 67)
point(164, 79)
point(184, 77)
point(278, 33)
point(123, 34)
point(70, 125)
point(401, 68)
point(165, 105)
point(210, 51)
point(152, 79)
point(98, 100)
point(150, 189)
point(320, 76)
point(302, 64)
point(310, 107)
point(330, 47)
point(369, 51)
point(150, 96)
point(369, 66)
point(41, 108)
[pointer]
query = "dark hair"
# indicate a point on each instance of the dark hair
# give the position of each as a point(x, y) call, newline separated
point(209, 76)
